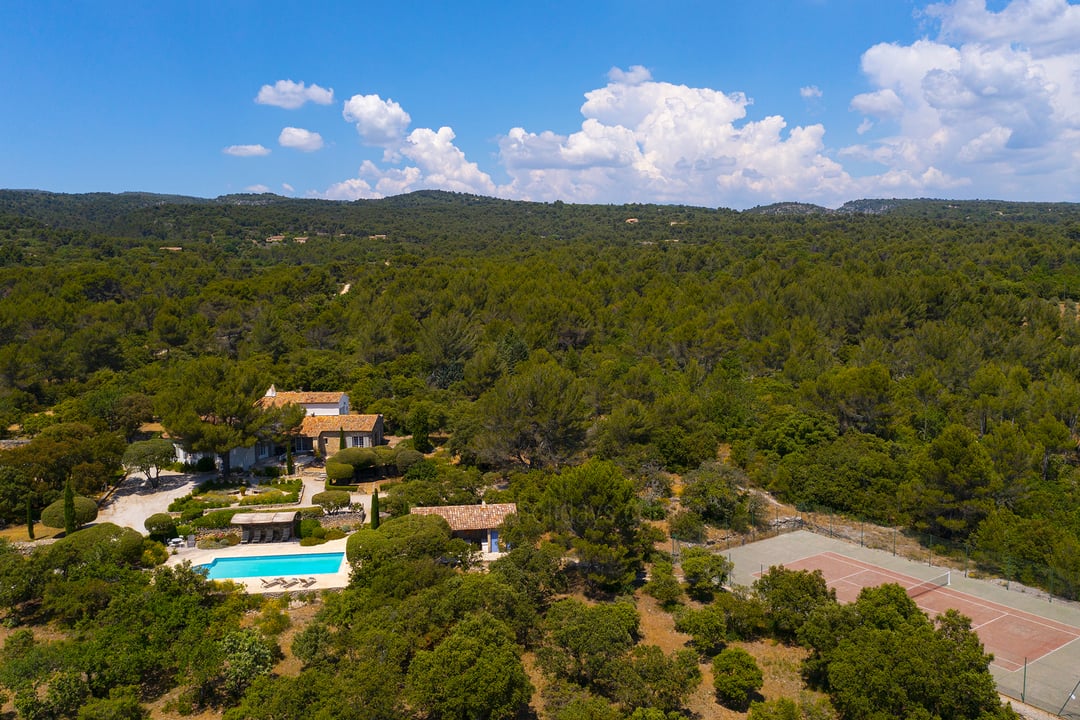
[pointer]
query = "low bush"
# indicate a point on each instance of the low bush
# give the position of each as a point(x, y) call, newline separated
point(216, 519)
point(385, 455)
point(191, 513)
point(339, 472)
point(308, 527)
point(357, 458)
point(218, 541)
point(309, 541)
point(86, 511)
point(331, 501)
point(274, 497)
point(406, 458)
point(190, 501)
point(154, 553)
point(160, 525)
point(334, 533)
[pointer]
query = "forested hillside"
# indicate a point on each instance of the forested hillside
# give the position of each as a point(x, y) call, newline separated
point(914, 363)
point(900, 367)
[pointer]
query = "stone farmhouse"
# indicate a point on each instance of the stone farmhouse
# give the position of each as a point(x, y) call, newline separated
point(327, 418)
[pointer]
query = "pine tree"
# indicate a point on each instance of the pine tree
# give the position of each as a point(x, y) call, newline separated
point(375, 509)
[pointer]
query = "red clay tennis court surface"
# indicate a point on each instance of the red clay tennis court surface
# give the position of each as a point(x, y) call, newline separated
point(1011, 635)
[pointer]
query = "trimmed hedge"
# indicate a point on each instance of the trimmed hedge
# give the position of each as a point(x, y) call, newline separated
point(339, 472)
point(358, 458)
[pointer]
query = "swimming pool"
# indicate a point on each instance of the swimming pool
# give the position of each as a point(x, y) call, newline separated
point(274, 566)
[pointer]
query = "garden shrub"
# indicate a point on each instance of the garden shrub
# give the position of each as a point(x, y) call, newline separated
point(308, 526)
point(357, 458)
point(205, 464)
point(385, 455)
point(216, 519)
point(191, 513)
point(331, 501)
point(154, 553)
point(425, 470)
point(309, 541)
point(86, 511)
point(160, 525)
point(192, 500)
point(104, 542)
point(406, 458)
point(334, 533)
point(339, 472)
point(274, 497)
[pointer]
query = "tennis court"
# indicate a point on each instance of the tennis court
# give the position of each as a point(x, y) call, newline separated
point(1011, 635)
point(1032, 638)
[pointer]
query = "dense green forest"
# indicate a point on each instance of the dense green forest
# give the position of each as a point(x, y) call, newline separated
point(913, 363)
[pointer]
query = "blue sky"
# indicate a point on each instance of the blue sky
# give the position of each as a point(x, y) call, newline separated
point(729, 104)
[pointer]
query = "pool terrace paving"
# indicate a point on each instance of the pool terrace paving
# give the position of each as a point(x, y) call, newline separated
point(326, 581)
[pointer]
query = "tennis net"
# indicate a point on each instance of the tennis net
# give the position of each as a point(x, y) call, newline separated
point(928, 585)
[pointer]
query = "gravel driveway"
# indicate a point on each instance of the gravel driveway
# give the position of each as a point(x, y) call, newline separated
point(135, 500)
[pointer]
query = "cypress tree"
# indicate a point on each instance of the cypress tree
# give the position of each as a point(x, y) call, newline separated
point(69, 509)
point(375, 509)
point(290, 466)
point(341, 439)
point(30, 518)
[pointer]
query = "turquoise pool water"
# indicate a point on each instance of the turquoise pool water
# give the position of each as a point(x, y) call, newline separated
point(274, 566)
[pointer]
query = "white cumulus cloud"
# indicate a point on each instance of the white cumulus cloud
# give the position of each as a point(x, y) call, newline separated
point(992, 103)
point(246, 150)
point(300, 139)
point(987, 107)
point(379, 122)
point(647, 140)
point(291, 95)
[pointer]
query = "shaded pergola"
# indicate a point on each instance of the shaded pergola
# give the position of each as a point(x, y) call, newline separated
point(265, 527)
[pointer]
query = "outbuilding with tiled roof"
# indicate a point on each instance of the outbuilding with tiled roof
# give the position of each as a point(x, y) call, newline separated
point(477, 523)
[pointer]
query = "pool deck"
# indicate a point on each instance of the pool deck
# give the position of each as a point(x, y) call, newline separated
point(326, 581)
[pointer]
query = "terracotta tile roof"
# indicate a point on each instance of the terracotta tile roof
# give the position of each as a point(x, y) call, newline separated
point(315, 425)
point(303, 398)
point(470, 517)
